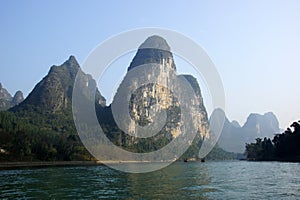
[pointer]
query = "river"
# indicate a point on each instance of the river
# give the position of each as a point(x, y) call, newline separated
point(192, 180)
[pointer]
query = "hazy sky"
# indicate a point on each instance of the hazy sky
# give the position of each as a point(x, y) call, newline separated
point(255, 45)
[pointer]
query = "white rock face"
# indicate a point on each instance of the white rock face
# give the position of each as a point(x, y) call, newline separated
point(150, 99)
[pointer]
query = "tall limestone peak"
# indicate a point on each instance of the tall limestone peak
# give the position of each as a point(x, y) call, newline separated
point(155, 49)
point(18, 98)
point(54, 92)
point(5, 98)
point(7, 101)
point(143, 102)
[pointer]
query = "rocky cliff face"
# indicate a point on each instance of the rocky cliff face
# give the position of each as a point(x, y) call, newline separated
point(202, 119)
point(155, 50)
point(54, 93)
point(7, 101)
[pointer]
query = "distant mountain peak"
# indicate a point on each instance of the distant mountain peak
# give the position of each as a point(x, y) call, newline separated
point(18, 98)
point(253, 117)
point(236, 124)
point(7, 101)
point(234, 136)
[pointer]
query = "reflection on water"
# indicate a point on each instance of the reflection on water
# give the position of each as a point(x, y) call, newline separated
point(210, 180)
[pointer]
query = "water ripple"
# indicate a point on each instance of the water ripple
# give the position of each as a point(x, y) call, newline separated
point(210, 180)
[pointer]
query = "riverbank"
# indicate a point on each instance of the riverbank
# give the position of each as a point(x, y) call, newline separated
point(25, 164)
point(5, 165)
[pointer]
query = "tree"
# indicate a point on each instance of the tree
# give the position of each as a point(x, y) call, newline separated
point(284, 146)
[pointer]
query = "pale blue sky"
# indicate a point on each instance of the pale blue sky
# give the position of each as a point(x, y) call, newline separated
point(255, 45)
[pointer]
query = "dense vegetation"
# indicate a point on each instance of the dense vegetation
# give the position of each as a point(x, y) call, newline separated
point(34, 135)
point(30, 135)
point(283, 147)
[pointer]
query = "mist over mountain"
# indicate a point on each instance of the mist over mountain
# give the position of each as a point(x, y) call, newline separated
point(234, 137)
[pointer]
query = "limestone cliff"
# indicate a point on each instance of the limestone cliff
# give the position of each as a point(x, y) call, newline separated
point(155, 52)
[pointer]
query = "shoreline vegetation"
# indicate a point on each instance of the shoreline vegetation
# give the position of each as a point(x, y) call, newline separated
point(283, 147)
point(38, 164)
